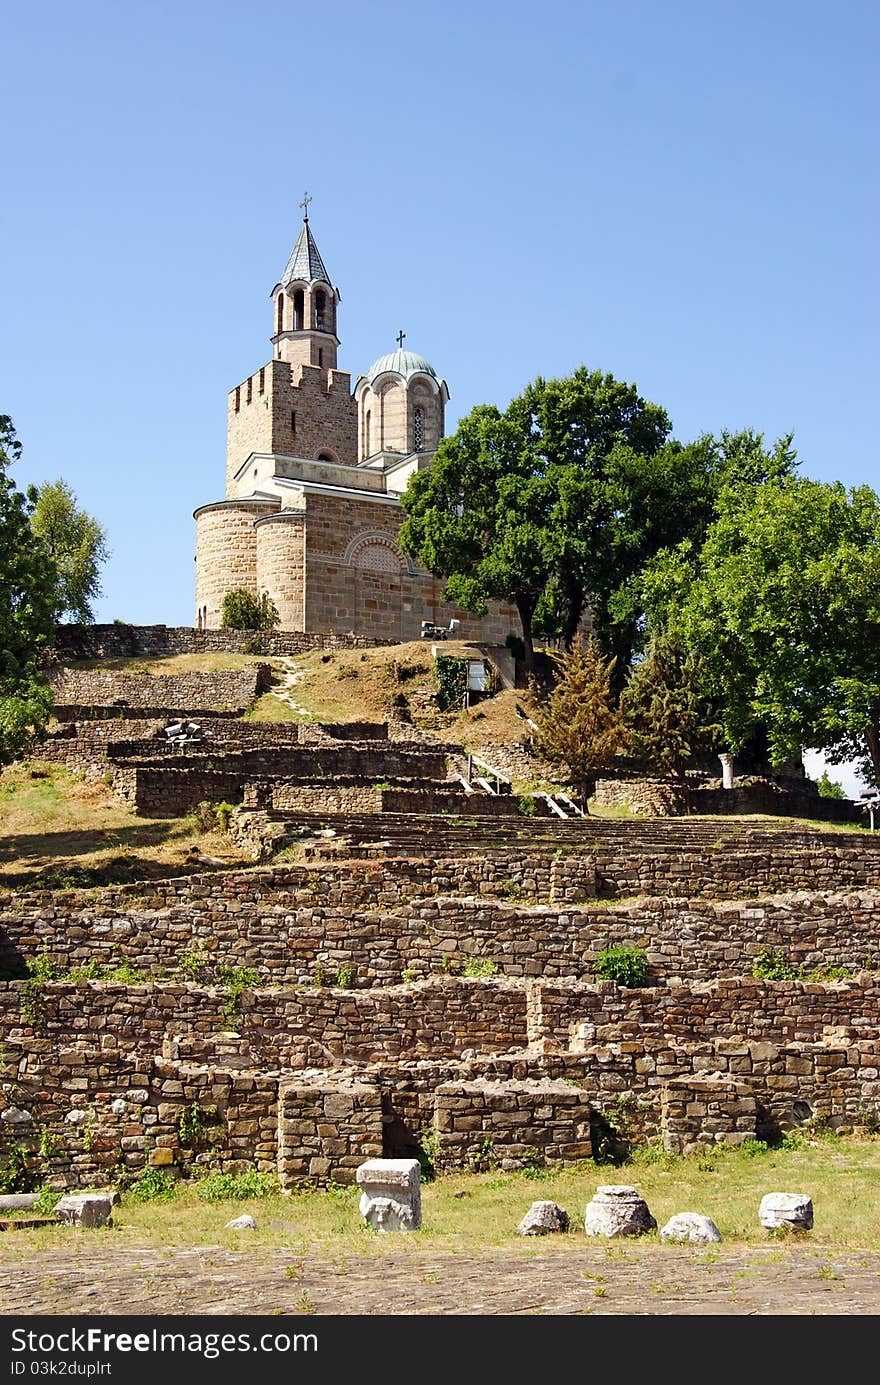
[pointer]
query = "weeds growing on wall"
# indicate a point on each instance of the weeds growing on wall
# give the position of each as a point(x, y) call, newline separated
point(479, 966)
point(197, 1126)
point(18, 1173)
point(41, 970)
point(236, 980)
point(623, 963)
point(773, 964)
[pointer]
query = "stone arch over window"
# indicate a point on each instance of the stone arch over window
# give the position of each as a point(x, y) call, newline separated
point(325, 455)
point(374, 552)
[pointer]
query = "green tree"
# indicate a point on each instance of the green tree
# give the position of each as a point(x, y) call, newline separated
point(242, 610)
point(828, 787)
point(557, 504)
point(782, 604)
point(666, 713)
point(524, 506)
point(580, 726)
point(77, 545)
point(26, 626)
point(482, 518)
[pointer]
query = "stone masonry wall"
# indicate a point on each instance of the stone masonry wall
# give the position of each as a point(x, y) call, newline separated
point(327, 1128)
point(226, 553)
point(163, 641)
point(513, 1124)
point(380, 924)
point(229, 690)
point(126, 1104)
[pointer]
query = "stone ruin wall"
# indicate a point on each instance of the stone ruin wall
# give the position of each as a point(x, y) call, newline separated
point(370, 924)
point(651, 797)
point(162, 641)
point(89, 1078)
point(232, 690)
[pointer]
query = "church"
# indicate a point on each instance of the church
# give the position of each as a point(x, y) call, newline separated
point(314, 475)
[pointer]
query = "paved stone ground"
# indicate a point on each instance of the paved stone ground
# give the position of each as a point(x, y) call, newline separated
point(91, 1278)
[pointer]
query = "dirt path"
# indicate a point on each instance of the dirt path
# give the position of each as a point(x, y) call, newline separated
point(91, 1280)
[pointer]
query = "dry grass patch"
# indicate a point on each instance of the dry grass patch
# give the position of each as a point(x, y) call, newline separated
point(57, 828)
point(172, 664)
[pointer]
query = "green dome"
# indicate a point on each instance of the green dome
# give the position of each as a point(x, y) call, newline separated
point(403, 363)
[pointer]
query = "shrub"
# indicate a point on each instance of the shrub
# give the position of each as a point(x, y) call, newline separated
point(452, 680)
point(243, 611)
point(224, 1187)
point(153, 1185)
point(627, 965)
point(17, 1174)
point(771, 964)
point(222, 813)
point(525, 805)
point(479, 966)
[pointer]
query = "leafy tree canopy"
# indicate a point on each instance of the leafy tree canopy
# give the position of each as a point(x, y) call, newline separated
point(27, 579)
point(513, 504)
point(782, 604)
point(561, 499)
point(76, 544)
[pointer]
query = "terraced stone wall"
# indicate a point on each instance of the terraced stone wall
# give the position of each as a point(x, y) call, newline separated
point(227, 690)
point(162, 641)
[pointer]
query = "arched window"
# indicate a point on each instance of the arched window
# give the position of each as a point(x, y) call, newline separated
point(320, 309)
point(280, 313)
point(298, 310)
point(367, 434)
point(418, 429)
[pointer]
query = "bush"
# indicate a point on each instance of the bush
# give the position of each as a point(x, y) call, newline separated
point(479, 966)
point(153, 1185)
point(771, 964)
point(243, 611)
point(626, 965)
point(225, 1187)
point(452, 681)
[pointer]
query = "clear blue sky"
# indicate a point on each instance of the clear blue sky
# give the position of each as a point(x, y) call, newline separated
point(683, 193)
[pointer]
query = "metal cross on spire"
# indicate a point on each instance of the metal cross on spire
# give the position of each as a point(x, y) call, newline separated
point(305, 205)
point(401, 338)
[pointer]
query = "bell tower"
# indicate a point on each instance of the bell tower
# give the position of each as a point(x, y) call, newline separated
point(304, 305)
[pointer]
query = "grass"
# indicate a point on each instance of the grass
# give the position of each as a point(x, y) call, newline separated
point(473, 1212)
point(172, 664)
point(56, 826)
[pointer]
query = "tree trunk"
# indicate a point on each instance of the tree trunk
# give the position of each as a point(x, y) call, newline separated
point(872, 740)
point(526, 610)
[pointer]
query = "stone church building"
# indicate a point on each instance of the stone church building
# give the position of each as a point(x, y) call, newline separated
point(314, 474)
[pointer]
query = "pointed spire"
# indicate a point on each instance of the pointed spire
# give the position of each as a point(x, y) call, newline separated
point(305, 262)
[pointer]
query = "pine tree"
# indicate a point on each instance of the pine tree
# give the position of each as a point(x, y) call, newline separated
point(665, 712)
point(579, 726)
